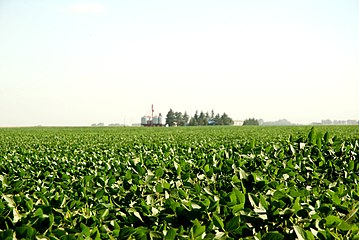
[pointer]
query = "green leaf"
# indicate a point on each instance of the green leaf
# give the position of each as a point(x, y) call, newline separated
point(171, 234)
point(344, 226)
point(232, 224)
point(312, 136)
point(351, 166)
point(350, 216)
point(85, 230)
point(235, 179)
point(99, 194)
point(158, 188)
point(309, 235)
point(39, 213)
point(233, 198)
point(128, 175)
point(51, 219)
point(217, 221)
point(332, 220)
point(104, 213)
point(273, 236)
point(59, 232)
point(25, 231)
point(182, 194)
point(299, 232)
point(155, 235)
point(29, 204)
point(138, 215)
point(116, 226)
point(7, 234)
point(296, 205)
point(197, 229)
point(9, 200)
point(159, 172)
point(263, 202)
point(179, 170)
point(241, 198)
point(242, 174)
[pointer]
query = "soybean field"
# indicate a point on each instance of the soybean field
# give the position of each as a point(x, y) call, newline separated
point(297, 182)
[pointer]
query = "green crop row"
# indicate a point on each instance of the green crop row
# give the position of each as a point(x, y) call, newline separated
point(179, 183)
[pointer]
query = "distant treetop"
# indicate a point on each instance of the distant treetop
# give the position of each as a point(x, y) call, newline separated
point(251, 121)
point(198, 119)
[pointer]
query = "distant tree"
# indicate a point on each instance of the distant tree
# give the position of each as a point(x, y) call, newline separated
point(202, 120)
point(212, 114)
point(170, 118)
point(196, 116)
point(226, 120)
point(251, 121)
point(192, 122)
point(217, 120)
point(185, 118)
point(179, 119)
point(208, 118)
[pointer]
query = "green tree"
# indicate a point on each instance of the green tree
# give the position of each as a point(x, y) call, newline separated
point(185, 118)
point(194, 120)
point(218, 120)
point(179, 119)
point(226, 120)
point(202, 121)
point(251, 121)
point(170, 118)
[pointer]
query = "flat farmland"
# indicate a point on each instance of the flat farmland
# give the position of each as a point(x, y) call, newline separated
point(179, 183)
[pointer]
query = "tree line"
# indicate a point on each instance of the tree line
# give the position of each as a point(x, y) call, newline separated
point(198, 119)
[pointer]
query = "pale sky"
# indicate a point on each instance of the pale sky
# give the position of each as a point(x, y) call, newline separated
point(82, 62)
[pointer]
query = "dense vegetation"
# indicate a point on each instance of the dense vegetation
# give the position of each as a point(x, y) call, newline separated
point(179, 183)
point(198, 119)
point(251, 121)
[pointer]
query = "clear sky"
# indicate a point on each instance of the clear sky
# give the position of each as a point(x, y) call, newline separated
point(82, 62)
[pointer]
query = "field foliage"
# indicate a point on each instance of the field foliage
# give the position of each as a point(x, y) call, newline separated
point(179, 183)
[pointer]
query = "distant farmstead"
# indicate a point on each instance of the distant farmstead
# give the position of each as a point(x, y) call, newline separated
point(151, 120)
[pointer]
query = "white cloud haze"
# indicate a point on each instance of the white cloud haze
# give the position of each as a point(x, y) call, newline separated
point(77, 62)
point(88, 7)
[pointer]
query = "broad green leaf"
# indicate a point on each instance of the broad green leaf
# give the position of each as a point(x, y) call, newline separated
point(351, 166)
point(155, 235)
point(242, 174)
point(349, 217)
point(128, 175)
point(299, 232)
point(171, 234)
point(344, 226)
point(197, 229)
point(16, 214)
point(217, 221)
point(232, 224)
point(9, 200)
point(263, 203)
point(158, 188)
point(138, 215)
point(39, 213)
point(85, 230)
point(273, 236)
point(333, 220)
point(159, 172)
point(235, 179)
point(100, 193)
